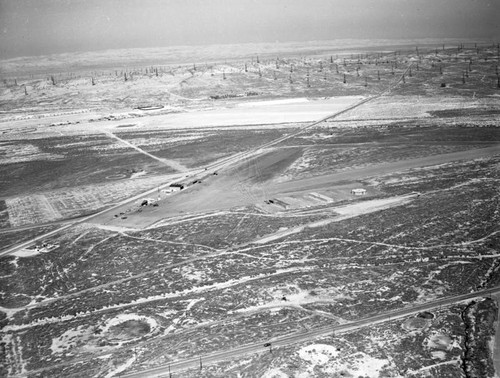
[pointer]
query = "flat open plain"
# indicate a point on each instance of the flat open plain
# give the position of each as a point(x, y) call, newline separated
point(265, 263)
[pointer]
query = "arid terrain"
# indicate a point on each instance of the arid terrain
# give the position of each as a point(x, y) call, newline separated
point(276, 210)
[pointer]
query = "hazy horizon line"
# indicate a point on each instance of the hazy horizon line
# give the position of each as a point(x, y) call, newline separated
point(402, 41)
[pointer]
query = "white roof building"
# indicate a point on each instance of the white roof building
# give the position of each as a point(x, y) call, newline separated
point(358, 192)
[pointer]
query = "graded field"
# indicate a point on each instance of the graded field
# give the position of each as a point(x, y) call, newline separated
point(315, 209)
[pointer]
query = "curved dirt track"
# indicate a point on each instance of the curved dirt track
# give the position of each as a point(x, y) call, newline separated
point(254, 181)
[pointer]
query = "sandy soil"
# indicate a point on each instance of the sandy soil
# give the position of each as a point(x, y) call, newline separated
point(346, 212)
point(382, 169)
point(496, 343)
point(254, 181)
point(259, 113)
point(239, 186)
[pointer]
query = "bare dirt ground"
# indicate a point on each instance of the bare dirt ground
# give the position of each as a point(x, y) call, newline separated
point(495, 344)
point(272, 247)
point(382, 169)
point(254, 182)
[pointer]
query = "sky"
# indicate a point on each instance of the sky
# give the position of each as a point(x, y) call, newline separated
point(42, 27)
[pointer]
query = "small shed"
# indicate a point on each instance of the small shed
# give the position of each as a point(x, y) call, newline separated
point(358, 192)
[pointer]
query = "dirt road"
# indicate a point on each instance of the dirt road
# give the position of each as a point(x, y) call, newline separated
point(169, 162)
point(294, 338)
point(89, 218)
point(383, 169)
point(102, 217)
point(252, 182)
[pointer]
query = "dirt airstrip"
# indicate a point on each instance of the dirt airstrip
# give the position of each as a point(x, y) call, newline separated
point(255, 180)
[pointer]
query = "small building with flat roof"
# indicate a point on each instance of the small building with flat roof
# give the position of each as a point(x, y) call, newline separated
point(358, 192)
